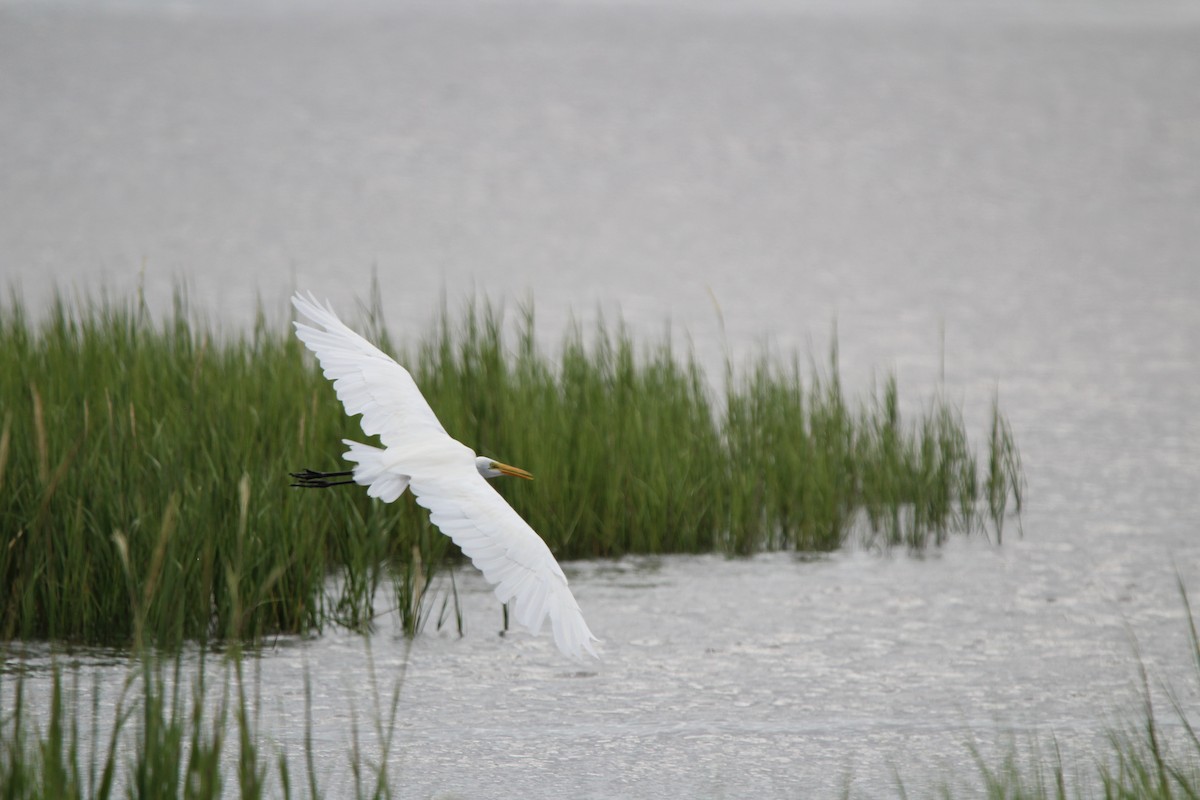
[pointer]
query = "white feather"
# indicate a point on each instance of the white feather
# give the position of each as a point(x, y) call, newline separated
point(442, 473)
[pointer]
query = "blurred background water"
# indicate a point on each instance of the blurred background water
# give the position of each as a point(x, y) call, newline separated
point(984, 198)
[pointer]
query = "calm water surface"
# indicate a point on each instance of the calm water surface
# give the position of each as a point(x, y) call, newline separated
point(1009, 193)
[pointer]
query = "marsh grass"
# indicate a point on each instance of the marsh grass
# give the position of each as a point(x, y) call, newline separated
point(168, 734)
point(1144, 759)
point(172, 735)
point(154, 743)
point(144, 465)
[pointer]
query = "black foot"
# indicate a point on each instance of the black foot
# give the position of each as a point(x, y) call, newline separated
point(311, 479)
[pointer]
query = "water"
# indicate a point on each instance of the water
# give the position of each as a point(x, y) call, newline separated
point(769, 676)
point(997, 199)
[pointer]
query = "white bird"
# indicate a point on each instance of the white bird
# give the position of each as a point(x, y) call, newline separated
point(444, 475)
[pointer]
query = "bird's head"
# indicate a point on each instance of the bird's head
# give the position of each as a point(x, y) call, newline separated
point(491, 468)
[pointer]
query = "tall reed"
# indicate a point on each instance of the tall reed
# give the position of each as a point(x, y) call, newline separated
point(144, 464)
point(149, 462)
point(172, 735)
point(1145, 759)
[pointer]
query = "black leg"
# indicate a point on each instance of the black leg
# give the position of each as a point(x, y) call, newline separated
point(311, 479)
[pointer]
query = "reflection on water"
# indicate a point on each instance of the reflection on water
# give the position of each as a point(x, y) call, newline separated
point(998, 203)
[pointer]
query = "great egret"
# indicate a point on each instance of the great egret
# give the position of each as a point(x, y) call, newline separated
point(444, 475)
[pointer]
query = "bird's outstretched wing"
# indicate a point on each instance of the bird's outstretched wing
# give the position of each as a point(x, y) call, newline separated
point(442, 475)
point(367, 380)
point(506, 550)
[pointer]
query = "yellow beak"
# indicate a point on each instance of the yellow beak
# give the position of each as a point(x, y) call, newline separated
point(515, 472)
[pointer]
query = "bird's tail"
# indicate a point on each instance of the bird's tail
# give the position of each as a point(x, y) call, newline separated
point(372, 471)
